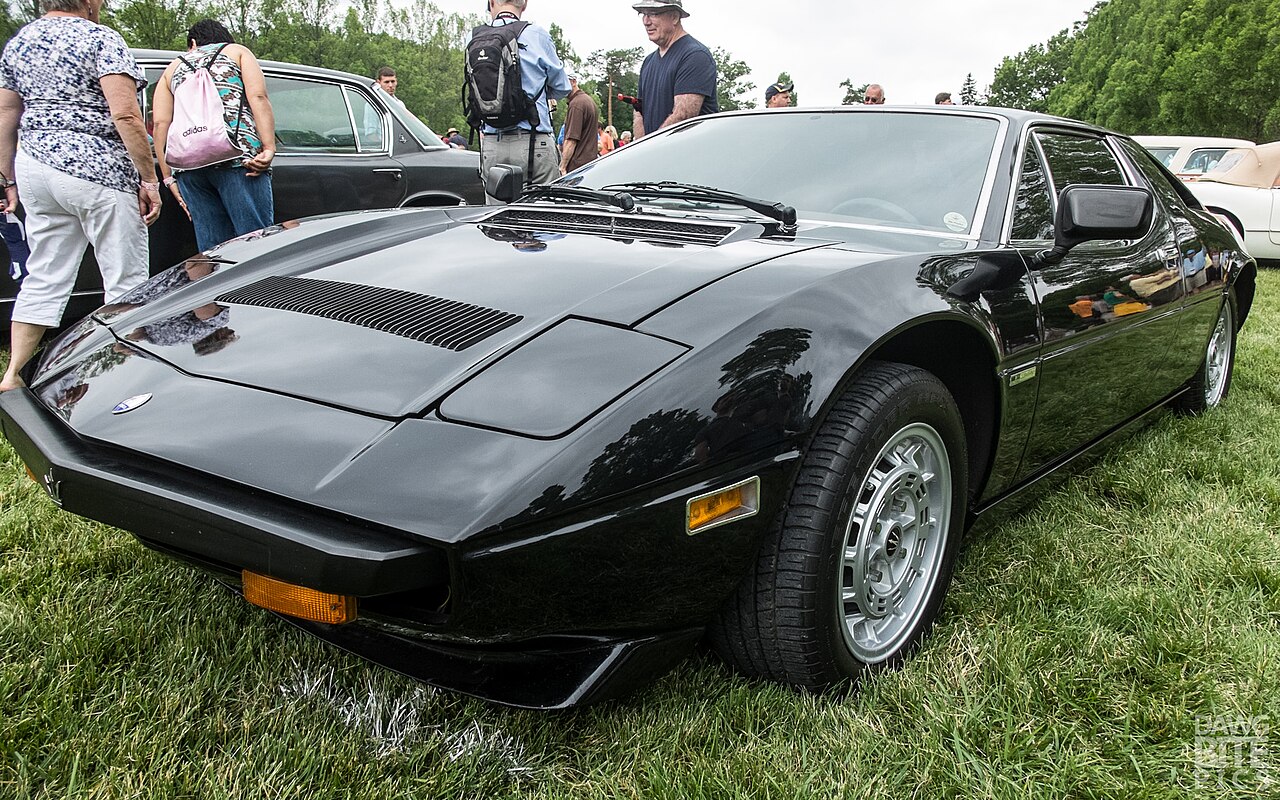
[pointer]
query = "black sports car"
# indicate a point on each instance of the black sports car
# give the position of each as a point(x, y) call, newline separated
point(715, 382)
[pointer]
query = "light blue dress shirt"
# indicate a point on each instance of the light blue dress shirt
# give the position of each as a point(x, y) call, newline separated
point(539, 65)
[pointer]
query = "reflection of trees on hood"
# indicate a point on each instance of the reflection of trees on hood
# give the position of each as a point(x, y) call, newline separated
point(654, 447)
point(768, 356)
point(760, 371)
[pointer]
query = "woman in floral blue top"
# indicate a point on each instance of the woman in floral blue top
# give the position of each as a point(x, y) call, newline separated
point(72, 142)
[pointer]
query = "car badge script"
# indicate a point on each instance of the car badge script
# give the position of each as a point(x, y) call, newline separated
point(53, 487)
point(130, 403)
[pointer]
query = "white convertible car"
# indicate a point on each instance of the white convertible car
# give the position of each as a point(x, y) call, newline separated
point(1189, 157)
point(1245, 189)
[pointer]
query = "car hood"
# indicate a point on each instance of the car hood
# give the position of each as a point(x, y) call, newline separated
point(385, 313)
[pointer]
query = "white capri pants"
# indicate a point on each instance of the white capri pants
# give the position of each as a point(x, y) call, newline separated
point(64, 215)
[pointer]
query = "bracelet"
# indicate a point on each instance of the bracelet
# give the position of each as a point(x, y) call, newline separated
point(6, 183)
point(169, 181)
point(152, 185)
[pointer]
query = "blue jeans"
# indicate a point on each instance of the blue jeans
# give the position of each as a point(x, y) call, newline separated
point(225, 202)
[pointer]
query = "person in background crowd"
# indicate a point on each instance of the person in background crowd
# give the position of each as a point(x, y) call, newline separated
point(778, 95)
point(455, 139)
point(232, 198)
point(873, 96)
point(943, 99)
point(540, 67)
point(389, 82)
point(605, 138)
point(580, 123)
point(678, 80)
point(624, 139)
point(71, 135)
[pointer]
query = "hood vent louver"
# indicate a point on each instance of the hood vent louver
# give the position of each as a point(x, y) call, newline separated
point(433, 320)
point(617, 225)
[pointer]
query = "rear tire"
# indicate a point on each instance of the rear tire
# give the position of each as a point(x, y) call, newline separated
point(856, 567)
point(1211, 383)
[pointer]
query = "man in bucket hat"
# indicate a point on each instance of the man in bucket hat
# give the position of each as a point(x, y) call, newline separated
point(678, 80)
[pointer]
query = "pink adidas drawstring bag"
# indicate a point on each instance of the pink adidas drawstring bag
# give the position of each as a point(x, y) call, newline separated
point(198, 136)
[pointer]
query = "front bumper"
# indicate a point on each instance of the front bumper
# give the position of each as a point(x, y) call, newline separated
point(212, 520)
point(577, 639)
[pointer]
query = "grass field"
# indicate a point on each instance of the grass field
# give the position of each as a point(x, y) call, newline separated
point(1105, 638)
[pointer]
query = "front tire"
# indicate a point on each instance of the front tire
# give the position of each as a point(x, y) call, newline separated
point(1208, 388)
point(855, 570)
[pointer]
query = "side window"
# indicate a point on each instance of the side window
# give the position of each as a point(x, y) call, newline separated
point(368, 121)
point(1033, 206)
point(310, 117)
point(1168, 188)
point(1204, 160)
point(1078, 159)
point(144, 97)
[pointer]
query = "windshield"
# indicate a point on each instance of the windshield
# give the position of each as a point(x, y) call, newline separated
point(909, 171)
point(1164, 154)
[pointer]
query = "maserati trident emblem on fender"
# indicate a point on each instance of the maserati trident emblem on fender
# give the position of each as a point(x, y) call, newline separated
point(130, 403)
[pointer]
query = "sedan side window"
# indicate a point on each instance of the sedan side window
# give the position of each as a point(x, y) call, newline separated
point(311, 117)
point(368, 121)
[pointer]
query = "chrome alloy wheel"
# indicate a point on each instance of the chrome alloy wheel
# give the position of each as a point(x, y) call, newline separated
point(1217, 359)
point(894, 542)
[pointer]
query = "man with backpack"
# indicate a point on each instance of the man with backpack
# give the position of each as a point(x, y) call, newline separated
point(512, 70)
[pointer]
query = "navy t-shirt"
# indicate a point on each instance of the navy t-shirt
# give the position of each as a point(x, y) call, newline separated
point(687, 68)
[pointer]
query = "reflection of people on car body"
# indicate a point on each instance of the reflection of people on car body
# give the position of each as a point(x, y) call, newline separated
point(190, 326)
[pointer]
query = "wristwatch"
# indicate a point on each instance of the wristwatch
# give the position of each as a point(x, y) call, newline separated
point(5, 184)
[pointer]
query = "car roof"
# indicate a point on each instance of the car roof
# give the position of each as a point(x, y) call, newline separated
point(1017, 117)
point(320, 72)
point(1190, 141)
point(1256, 165)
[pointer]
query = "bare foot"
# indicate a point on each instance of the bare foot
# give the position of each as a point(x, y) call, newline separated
point(14, 382)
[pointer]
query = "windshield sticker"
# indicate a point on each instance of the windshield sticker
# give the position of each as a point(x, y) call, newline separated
point(955, 221)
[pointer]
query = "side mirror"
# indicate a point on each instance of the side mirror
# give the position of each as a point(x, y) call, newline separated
point(504, 182)
point(1088, 213)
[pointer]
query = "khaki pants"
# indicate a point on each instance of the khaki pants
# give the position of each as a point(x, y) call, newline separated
point(513, 149)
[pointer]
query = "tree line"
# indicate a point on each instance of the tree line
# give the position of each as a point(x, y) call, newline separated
point(1190, 67)
point(422, 43)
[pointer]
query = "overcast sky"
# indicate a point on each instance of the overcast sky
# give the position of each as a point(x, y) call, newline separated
point(914, 48)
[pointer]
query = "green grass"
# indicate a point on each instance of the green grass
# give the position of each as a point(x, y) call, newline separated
point(1089, 630)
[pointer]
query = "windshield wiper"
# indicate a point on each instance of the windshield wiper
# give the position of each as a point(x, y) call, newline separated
point(621, 200)
point(691, 191)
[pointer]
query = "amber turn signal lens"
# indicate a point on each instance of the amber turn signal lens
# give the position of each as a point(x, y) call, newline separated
point(723, 505)
point(31, 474)
point(298, 601)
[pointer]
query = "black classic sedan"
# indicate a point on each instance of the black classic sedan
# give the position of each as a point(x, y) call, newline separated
point(342, 145)
point(712, 384)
